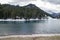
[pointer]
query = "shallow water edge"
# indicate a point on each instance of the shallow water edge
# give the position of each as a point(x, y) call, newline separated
point(33, 35)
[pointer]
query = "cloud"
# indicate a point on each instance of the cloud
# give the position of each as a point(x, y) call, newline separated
point(21, 2)
point(53, 1)
point(48, 4)
point(5, 1)
point(15, 1)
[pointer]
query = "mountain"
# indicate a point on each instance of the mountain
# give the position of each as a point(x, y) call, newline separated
point(27, 12)
point(52, 13)
point(56, 15)
point(45, 11)
point(31, 6)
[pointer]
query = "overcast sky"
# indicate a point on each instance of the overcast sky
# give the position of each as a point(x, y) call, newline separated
point(48, 4)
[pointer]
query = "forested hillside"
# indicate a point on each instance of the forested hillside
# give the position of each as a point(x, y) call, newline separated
point(27, 12)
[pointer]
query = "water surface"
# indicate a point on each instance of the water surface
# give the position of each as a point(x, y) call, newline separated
point(30, 27)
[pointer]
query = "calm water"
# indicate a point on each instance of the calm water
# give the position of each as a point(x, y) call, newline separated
point(30, 27)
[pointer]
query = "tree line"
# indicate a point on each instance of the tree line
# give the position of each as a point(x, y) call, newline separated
point(16, 11)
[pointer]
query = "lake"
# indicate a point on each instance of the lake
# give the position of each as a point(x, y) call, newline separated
point(48, 26)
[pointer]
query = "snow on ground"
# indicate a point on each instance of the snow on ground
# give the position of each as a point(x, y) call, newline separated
point(17, 19)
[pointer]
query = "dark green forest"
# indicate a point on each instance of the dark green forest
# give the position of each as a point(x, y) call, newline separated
point(16, 11)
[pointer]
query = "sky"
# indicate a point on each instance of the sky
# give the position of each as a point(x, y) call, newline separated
point(53, 5)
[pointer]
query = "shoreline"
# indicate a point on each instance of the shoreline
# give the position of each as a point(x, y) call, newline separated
point(20, 19)
point(33, 35)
